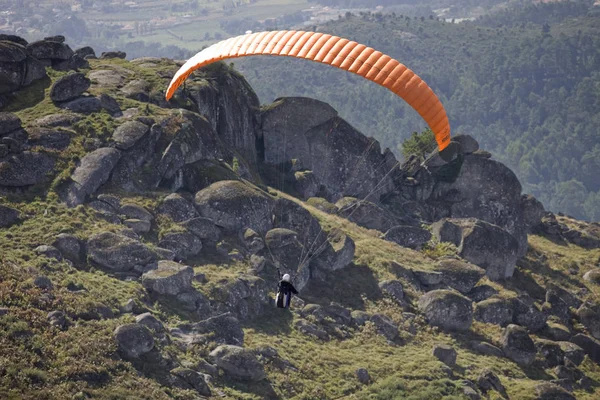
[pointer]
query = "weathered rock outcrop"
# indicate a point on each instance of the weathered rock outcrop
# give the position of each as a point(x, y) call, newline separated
point(232, 108)
point(8, 216)
point(494, 311)
point(478, 188)
point(236, 205)
point(118, 253)
point(459, 275)
point(485, 245)
point(366, 214)
point(412, 237)
point(177, 208)
point(238, 363)
point(18, 67)
point(169, 278)
point(94, 170)
point(25, 169)
point(446, 309)
point(134, 340)
point(69, 87)
point(184, 244)
point(517, 345)
point(288, 255)
point(342, 160)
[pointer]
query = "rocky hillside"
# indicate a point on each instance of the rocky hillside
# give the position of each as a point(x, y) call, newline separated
point(141, 243)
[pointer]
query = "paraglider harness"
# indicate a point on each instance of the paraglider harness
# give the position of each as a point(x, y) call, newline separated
point(284, 292)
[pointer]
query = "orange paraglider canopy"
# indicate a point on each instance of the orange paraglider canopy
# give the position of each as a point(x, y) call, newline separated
point(338, 52)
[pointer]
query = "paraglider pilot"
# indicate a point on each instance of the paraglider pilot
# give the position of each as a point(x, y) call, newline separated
point(284, 292)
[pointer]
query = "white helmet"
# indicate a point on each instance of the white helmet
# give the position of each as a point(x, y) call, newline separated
point(286, 278)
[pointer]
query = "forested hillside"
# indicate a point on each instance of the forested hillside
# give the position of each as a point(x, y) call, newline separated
point(525, 82)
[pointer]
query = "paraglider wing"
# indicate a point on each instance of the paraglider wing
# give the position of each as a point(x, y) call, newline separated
point(338, 52)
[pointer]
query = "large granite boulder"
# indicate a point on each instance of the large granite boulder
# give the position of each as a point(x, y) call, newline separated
point(288, 255)
point(366, 214)
point(238, 363)
point(236, 205)
point(552, 391)
point(232, 108)
point(9, 122)
point(50, 50)
point(342, 160)
point(458, 274)
point(528, 314)
point(517, 345)
point(69, 246)
point(177, 208)
point(485, 245)
point(128, 134)
point(49, 138)
point(69, 87)
point(184, 244)
point(494, 311)
point(8, 216)
point(412, 237)
point(17, 67)
point(204, 228)
point(221, 329)
point(134, 340)
point(25, 169)
point(118, 253)
point(169, 278)
point(446, 309)
point(129, 171)
point(93, 171)
point(335, 253)
point(590, 345)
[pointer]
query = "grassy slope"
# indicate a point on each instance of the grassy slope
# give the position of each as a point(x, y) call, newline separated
point(39, 361)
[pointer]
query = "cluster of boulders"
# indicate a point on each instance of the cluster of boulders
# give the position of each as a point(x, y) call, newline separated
point(22, 63)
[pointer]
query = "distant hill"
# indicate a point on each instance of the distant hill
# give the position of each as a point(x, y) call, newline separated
point(525, 82)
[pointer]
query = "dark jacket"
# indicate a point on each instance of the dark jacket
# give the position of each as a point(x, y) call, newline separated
point(286, 287)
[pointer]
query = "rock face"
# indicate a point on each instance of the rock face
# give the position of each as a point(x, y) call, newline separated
point(128, 134)
point(494, 311)
point(517, 345)
point(232, 108)
point(310, 132)
point(25, 169)
point(289, 255)
point(118, 253)
point(445, 354)
point(551, 391)
point(69, 246)
point(177, 208)
point(236, 205)
point(69, 87)
point(183, 244)
point(18, 67)
point(336, 252)
point(94, 170)
point(49, 138)
point(448, 310)
point(590, 345)
point(8, 216)
point(134, 340)
point(485, 245)
point(169, 278)
point(478, 188)
point(459, 275)
point(365, 214)
point(408, 236)
point(238, 363)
